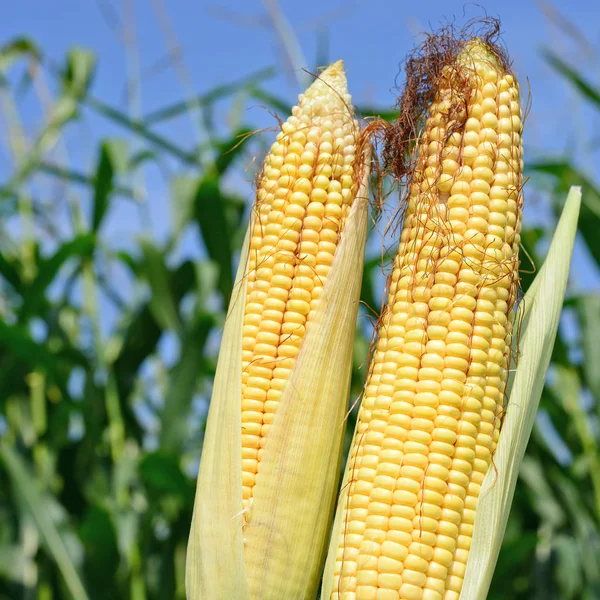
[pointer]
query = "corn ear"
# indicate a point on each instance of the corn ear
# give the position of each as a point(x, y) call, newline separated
point(539, 314)
point(431, 409)
point(271, 544)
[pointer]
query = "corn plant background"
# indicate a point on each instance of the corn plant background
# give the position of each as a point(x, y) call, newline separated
point(120, 222)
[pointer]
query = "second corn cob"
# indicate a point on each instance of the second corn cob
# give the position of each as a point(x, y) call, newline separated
point(433, 401)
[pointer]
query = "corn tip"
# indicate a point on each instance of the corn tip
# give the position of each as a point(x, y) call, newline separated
point(478, 49)
point(331, 82)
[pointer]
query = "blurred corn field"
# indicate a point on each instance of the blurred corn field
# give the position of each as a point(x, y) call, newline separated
point(108, 346)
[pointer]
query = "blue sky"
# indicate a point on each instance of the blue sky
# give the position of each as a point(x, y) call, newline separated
point(222, 41)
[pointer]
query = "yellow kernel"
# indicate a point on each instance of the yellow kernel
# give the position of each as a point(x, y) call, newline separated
point(409, 591)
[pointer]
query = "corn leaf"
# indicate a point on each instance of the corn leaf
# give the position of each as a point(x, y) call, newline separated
point(588, 308)
point(210, 212)
point(571, 75)
point(209, 98)
point(540, 313)
point(566, 175)
point(39, 507)
point(77, 177)
point(144, 330)
point(17, 48)
point(287, 532)
point(230, 149)
point(140, 128)
point(112, 154)
point(184, 378)
point(162, 303)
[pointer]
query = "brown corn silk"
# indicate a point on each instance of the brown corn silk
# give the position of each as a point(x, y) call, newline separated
point(433, 401)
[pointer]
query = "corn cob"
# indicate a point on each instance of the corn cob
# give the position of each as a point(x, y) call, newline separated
point(304, 197)
point(432, 404)
point(270, 461)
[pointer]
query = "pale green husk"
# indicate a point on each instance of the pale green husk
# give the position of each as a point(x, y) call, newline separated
point(336, 531)
point(215, 565)
point(539, 316)
point(279, 553)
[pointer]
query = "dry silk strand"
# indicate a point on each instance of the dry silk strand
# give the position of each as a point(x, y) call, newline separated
point(433, 401)
point(305, 194)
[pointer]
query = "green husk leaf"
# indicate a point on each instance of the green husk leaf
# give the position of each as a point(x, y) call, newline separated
point(540, 313)
point(287, 532)
point(215, 567)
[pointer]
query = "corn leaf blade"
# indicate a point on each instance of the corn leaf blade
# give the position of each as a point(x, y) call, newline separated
point(37, 506)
